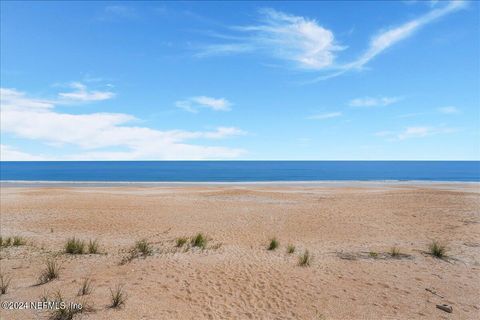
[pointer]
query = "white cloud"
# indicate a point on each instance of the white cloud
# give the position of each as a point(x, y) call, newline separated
point(116, 12)
point(448, 110)
point(32, 119)
point(411, 115)
point(292, 38)
point(384, 133)
point(82, 94)
point(391, 36)
point(311, 46)
point(8, 153)
point(415, 132)
point(373, 102)
point(322, 116)
point(224, 49)
point(194, 103)
point(12, 98)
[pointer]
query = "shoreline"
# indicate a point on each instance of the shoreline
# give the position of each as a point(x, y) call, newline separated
point(315, 183)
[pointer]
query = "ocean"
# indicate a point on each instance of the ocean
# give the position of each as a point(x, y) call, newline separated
point(238, 171)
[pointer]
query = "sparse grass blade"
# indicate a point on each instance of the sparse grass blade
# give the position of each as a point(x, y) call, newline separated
point(4, 283)
point(75, 246)
point(199, 240)
point(273, 244)
point(117, 297)
point(395, 252)
point(51, 271)
point(143, 248)
point(18, 241)
point(437, 250)
point(93, 247)
point(67, 313)
point(7, 242)
point(86, 287)
point(290, 249)
point(304, 259)
point(180, 242)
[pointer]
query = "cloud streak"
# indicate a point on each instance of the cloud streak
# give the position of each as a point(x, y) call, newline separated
point(193, 104)
point(414, 132)
point(323, 116)
point(448, 110)
point(373, 102)
point(390, 37)
point(82, 94)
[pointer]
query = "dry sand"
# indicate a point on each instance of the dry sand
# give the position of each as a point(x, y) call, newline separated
point(236, 277)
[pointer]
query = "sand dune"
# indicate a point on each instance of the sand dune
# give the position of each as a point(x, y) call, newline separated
point(348, 229)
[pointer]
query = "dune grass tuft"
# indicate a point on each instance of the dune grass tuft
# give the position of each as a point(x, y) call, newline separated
point(143, 248)
point(180, 242)
point(4, 283)
point(18, 241)
point(93, 247)
point(86, 287)
point(395, 252)
point(373, 254)
point(68, 312)
point(437, 250)
point(44, 296)
point(51, 271)
point(290, 249)
point(75, 246)
point(273, 244)
point(117, 297)
point(12, 241)
point(304, 259)
point(5, 242)
point(199, 240)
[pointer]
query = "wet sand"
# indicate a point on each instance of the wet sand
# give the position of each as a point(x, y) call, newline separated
point(349, 229)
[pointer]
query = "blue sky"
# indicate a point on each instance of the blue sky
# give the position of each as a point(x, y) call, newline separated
point(240, 80)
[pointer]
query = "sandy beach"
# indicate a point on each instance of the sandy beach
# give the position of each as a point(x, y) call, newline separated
point(349, 230)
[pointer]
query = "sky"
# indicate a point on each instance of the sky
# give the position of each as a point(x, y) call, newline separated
point(240, 80)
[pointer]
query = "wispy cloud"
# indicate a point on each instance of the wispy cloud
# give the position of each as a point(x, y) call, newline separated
point(193, 104)
point(82, 94)
point(35, 119)
point(373, 102)
point(119, 11)
point(384, 133)
point(415, 132)
point(224, 49)
point(309, 45)
point(295, 39)
point(323, 116)
point(392, 36)
point(9, 153)
point(11, 98)
point(411, 115)
point(448, 110)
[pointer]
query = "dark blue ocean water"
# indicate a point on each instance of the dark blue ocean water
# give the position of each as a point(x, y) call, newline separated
point(239, 171)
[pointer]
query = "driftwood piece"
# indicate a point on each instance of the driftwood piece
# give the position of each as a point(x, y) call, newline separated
point(434, 292)
point(445, 307)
